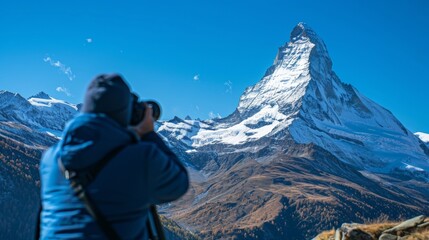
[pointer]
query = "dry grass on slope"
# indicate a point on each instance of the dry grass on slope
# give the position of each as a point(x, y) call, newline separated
point(377, 228)
point(419, 235)
point(326, 235)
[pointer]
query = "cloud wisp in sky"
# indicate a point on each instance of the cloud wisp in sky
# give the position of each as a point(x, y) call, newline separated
point(63, 90)
point(63, 68)
point(89, 40)
point(228, 86)
point(197, 77)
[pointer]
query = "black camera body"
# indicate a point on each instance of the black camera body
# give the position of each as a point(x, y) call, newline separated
point(139, 109)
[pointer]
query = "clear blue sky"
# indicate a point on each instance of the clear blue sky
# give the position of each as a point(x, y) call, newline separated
point(380, 47)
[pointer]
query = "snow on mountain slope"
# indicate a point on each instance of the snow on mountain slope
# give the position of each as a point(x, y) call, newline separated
point(423, 136)
point(49, 102)
point(40, 111)
point(253, 128)
point(301, 97)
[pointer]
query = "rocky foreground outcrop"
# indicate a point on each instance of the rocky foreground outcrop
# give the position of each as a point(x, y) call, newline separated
point(412, 229)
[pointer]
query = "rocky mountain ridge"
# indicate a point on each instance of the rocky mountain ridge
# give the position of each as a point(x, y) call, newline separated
point(39, 111)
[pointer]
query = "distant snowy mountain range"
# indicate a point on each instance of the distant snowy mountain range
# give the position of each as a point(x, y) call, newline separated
point(40, 111)
point(349, 132)
point(50, 115)
point(301, 153)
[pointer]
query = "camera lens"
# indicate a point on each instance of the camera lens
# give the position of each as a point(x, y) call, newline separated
point(139, 109)
point(156, 109)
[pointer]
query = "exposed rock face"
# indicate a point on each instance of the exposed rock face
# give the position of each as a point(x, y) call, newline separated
point(386, 236)
point(411, 223)
point(415, 228)
point(359, 234)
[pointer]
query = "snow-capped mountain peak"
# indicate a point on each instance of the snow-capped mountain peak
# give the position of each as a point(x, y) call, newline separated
point(8, 95)
point(9, 99)
point(39, 111)
point(41, 95)
point(300, 97)
point(303, 32)
point(286, 81)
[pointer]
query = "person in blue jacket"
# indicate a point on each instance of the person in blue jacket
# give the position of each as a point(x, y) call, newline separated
point(142, 174)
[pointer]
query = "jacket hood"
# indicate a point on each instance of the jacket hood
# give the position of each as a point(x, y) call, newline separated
point(88, 138)
point(109, 94)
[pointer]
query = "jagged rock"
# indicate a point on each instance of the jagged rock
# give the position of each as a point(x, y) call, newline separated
point(413, 222)
point(387, 236)
point(347, 227)
point(351, 231)
point(357, 234)
point(423, 225)
point(403, 231)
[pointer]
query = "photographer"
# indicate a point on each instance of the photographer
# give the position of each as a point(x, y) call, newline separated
point(137, 170)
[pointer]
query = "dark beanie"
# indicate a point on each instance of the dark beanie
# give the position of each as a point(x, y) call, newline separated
point(109, 94)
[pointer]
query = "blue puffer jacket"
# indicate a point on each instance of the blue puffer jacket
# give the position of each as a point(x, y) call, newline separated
point(142, 174)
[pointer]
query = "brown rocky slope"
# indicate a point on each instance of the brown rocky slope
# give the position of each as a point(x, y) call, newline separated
point(296, 192)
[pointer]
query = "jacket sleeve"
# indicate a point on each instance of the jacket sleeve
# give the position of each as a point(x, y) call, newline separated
point(167, 178)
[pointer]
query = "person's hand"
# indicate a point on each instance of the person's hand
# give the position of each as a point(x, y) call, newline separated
point(146, 125)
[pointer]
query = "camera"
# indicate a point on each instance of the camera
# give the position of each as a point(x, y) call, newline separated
point(139, 109)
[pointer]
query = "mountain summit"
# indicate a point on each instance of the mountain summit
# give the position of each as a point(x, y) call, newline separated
point(41, 95)
point(286, 81)
point(301, 98)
